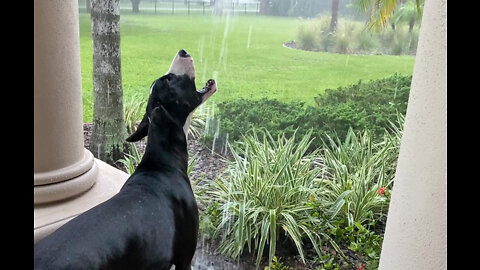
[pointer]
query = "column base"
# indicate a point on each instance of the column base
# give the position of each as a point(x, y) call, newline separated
point(48, 217)
point(65, 182)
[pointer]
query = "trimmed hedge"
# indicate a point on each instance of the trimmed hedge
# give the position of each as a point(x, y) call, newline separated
point(369, 105)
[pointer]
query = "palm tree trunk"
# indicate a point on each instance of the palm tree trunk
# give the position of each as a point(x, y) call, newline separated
point(264, 7)
point(333, 22)
point(218, 7)
point(108, 135)
point(135, 4)
point(411, 23)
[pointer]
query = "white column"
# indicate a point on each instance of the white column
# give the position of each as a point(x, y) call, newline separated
point(62, 166)
point(68, 180)
point(415, 236)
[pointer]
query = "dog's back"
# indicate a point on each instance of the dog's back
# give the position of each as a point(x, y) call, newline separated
point(132, 230)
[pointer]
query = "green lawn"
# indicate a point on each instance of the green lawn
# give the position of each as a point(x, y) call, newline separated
point(219, 45)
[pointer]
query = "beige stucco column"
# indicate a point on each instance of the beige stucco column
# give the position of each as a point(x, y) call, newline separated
point(62, 166)
point(67, 178)
point(415, 236)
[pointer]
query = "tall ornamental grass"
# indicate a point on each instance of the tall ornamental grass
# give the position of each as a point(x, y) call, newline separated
point(358, 171)
point(277, 188)
point(352, 37)
point(266, 194)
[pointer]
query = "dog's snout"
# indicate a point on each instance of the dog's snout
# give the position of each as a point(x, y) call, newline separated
point(183, 53)
point(182, 64)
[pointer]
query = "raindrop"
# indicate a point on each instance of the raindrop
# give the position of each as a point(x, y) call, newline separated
point(201, 45)
point(225, 35)
point(98, 150)
point(249, 36)
point(225, 59)
point(204, 73)
point(108, 93)
point(216, 134)
point(225, 145)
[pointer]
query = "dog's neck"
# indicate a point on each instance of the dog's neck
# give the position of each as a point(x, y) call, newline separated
point(166, 150)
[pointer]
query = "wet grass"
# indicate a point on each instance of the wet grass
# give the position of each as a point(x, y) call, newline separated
point(243, 53)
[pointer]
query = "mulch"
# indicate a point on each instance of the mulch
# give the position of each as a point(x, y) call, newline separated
point(208, 166)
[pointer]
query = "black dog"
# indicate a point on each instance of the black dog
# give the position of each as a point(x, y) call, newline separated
point(152, 223)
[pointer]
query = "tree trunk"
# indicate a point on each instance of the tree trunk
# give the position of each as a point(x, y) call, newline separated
point(218, 7)
point(109, 133)
point(333, 22)
point(411, 24)
point(264, 7)
point(135, 4)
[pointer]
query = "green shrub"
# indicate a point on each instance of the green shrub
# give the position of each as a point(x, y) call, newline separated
point(209, 220)
point(361, 106)
point(266, 195)
point(239, 116)
point(276, 264)
point(363, 241)
point(377, 102)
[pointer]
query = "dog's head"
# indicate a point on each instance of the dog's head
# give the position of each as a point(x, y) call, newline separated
point(174, 95)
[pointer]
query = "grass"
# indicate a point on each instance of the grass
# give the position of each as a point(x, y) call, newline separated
point(243, 53)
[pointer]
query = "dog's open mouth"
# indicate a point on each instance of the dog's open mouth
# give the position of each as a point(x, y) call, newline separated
point(209, 89)
point(211, 85)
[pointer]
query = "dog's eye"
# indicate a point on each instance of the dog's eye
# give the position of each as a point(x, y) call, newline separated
point(186, 104)
point(166, 78)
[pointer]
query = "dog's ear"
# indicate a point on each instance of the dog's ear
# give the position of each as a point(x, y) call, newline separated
point(141, 132)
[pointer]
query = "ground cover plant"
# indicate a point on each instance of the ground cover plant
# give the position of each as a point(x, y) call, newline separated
point(243, 53)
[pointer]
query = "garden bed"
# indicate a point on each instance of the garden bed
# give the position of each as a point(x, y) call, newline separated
point(349, 238)
point(207, 166)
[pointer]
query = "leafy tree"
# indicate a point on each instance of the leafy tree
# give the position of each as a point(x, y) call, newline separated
point(407, 13)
